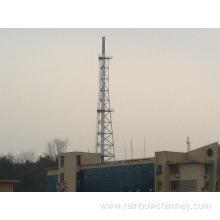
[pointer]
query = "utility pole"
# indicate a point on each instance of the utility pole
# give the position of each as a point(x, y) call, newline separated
point(104, 134)
point(144, 147)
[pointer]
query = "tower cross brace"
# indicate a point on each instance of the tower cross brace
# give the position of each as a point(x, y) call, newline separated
point(104, 133)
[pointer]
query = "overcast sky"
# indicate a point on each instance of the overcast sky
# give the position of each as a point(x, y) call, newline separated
point(165, 85)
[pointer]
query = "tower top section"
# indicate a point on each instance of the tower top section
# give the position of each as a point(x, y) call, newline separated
point(103, 46)
point(103, 56)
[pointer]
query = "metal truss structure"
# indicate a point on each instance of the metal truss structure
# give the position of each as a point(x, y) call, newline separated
point(104, 133)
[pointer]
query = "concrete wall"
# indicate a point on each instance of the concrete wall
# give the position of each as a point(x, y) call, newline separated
point(161, 159)
point(201, 154)
point(191, 167)
point(190, 172)
point(71, 168)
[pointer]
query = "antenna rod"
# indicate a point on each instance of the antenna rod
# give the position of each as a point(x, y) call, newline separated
point(188, 143)
point(131, 150)
point(103, 46)
point(144, 147)
point(125, 152)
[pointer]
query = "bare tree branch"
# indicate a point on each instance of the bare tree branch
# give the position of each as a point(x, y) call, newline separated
point(55, 147)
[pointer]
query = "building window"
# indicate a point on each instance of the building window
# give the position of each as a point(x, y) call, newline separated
point(62, 161)
point(62, 177)
point(207, 169)
point(78, 160)
point(209, 152)
point(174, 169)
point(159, 169)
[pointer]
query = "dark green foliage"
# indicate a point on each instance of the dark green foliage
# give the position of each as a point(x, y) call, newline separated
point(32, 175)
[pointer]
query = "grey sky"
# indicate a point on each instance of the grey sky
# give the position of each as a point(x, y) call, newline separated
point(165, 85)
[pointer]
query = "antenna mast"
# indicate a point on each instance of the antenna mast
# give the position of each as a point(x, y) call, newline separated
point(131, 150)
point(188, 143)
point(125, 152)
point(104, 138)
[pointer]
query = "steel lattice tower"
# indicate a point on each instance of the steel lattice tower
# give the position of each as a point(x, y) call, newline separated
point(104, 139)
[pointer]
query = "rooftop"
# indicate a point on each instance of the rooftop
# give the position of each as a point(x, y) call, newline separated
point(119, 163)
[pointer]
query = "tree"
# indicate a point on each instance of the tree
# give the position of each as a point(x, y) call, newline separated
point(11, 157)
point(25, 156)
point(32, 175)
point(55, 147)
